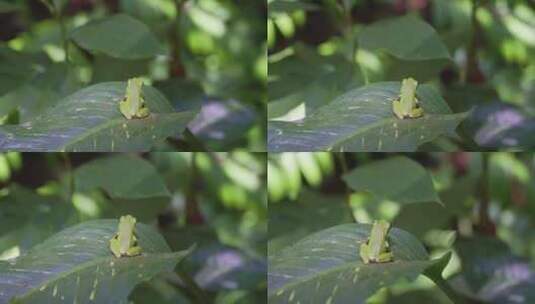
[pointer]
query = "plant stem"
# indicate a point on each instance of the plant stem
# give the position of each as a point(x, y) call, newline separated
point(193, 142)
point(485, 222)
point(196, 292)
point(343, 164)
point(472, 68)
point(176, 68)
point(68, 166)
point(56, 12)
point(446, 288)
point(63, 30)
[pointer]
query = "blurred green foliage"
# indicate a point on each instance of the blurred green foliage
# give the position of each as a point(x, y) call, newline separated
point(487, 204)
point(491, 68)
point(213, 50)
point(216, 201)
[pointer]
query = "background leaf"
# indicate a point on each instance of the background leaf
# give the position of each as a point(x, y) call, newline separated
point(119, 36)
point(90, 120)
point(121, 176)
point(290, 221)
point(397, 179)
point(77, 266)
point(326, 267)
point(362, 120)
point(406, 37)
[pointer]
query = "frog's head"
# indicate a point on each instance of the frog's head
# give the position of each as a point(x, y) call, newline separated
point(134, 84)
point(408, 86)
point(127, 220)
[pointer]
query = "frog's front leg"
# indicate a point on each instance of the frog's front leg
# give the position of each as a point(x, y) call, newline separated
point(398, 109)
point(365, 252)
point(385, 257)
point(124, 107)
point(115, 246)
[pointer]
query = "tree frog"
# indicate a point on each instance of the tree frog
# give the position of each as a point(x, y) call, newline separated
point(407, 104)
point(124, 243)
point(133, 103)
point(376, 249)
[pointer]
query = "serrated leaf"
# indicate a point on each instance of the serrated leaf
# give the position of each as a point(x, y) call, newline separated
point(362, 120)
point(76, 266)
point(90, 120)
point(326, 267)
point(119, 36)
point(398, 179)
point(121, 176)
point(406, 37)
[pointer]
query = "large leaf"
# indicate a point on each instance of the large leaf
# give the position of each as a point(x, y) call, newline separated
point(362, 120)
point(76, 266)
point(406, 37)
point(397, 179)
point(121, 176)
point(90, 120)
point(119, 36)
point(326, 267)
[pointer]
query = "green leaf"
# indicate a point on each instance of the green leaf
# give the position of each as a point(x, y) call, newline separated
point(119, 36)
point(27, 218)
point(406, 37)
point(107, 68)
point(16, 68)
point(90, 120)
point(289, 6)
point(313, 211)
point(362, 120)
point(398, 179)
point(325, 78)
point(7, 7)
point(41, 92)
point(77, 266)
point(326, 267)
point(121, 176)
